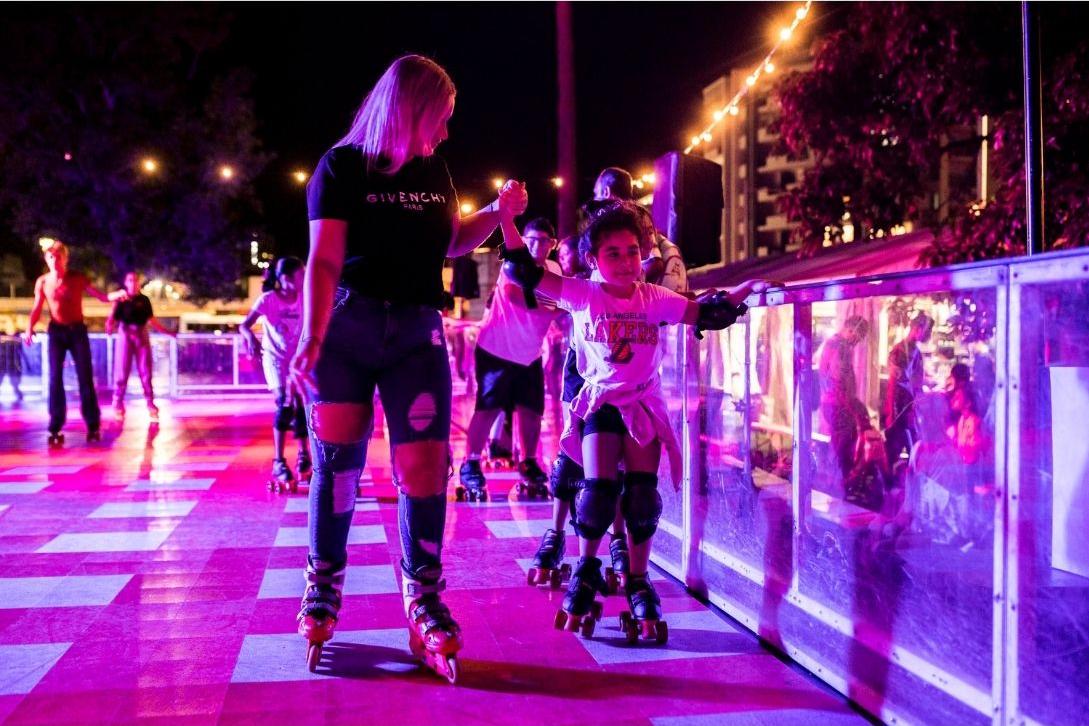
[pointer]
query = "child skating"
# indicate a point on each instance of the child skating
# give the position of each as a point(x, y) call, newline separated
point(620, 406)
point(281, 308)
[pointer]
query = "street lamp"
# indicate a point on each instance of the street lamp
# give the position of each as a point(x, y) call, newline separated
point(226, 172)
point(149, 165)
point(300, 177)
point(498, 182)
point(557, 181)
point(467, 208)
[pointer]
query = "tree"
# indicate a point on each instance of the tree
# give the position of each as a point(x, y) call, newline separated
point(115, 136)
point(900, 87)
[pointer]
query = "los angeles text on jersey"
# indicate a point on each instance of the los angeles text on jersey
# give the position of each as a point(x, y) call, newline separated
point(617, 327)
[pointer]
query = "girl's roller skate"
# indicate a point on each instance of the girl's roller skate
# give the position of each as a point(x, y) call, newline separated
point(94, 436)
point(434, 637)
point(547, 568)
point(534, 482)
point(616, 577)
point(304, 466)
point(56, 440)
point(153, 413)
point(281, 479)
point(645, 618)
point(320, 606)
point(472, 484)
point(580, 608)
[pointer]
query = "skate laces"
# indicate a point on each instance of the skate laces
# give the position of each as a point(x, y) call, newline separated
point(641, 591)
point(323, 591)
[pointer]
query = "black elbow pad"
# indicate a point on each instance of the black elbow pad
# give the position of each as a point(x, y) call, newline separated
point(525, 272)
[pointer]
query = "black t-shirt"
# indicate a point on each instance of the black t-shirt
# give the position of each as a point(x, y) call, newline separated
point(134, 311)
point(399, 225)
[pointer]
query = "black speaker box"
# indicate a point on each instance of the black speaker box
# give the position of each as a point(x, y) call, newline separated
point(688, 205)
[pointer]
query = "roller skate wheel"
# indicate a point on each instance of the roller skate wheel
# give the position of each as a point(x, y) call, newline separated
point(596, 611)
point(560, 621)
point(531, 576)
point(587, 629)
point(313, 656)
point(611, 582)
point(661, 632)
point(555, 580)
point(565, 570)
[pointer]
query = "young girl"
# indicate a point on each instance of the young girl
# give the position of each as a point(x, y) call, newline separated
point(620, 406)
point(281, 307)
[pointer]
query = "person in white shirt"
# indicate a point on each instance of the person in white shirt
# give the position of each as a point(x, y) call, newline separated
point(620, 406)
point(281, 308)
point(510, 372)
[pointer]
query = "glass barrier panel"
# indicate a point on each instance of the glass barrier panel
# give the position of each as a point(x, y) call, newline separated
point(1049, 547)
point(20, 368)
point(669, 541)
point(897, 489)
point(251, 370)
point(771, 395)
point(205, 362)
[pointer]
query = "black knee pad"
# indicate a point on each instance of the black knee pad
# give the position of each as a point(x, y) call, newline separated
point(561, 481)
point(285, 417)
point(641, 505)
point(595, 507)
point(298, 422)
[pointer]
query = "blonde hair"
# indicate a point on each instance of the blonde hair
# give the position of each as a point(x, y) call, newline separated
point(55, 246)
point(413, 91)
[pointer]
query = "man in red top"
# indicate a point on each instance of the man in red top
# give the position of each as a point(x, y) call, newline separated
point(63, 290)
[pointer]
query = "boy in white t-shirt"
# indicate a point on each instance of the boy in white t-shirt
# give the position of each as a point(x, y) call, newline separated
point(281, 307)
point(509, 370)
point(620, 405)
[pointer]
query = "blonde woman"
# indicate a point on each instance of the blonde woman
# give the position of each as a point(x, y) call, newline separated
point(383, 216)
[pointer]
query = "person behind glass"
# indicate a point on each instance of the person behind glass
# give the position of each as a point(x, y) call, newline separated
point(906, 377)
point(509, 370)
point(620, 405)
point(842, 413)
point(383, 217)
point(63, 290)
point(129, 319)
point(280, 305)
point(12, 362)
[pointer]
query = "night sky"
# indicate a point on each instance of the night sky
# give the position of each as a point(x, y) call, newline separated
point(640, 69)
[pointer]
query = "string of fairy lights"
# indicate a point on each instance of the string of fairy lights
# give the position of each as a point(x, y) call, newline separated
point(766, 67)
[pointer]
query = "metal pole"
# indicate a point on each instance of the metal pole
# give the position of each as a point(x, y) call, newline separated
point(1034, 141)
point(565, 111)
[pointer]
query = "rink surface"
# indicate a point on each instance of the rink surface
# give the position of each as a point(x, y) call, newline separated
point(153, 579)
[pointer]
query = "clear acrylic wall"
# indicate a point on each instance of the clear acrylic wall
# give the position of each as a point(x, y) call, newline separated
point(889, 480)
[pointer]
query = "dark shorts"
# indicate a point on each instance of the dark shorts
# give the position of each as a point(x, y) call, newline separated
point(605, 420)
point(401, 350)
point(504, 385)
point(572, 381)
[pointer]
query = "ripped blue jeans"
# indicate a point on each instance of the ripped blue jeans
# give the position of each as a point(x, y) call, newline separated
point(401, 351)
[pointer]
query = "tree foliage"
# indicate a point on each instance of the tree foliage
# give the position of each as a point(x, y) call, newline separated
point(88, 93)
point(904, 84)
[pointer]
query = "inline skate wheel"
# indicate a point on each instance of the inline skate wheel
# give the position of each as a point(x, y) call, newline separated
point(313, 656)
point(560, 621)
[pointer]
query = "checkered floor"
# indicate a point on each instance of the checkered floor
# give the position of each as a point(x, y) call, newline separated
point(152, 578)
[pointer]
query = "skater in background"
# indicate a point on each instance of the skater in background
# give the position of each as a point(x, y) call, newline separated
point(383, 217)
point(130, 320)
point(510, 371)
point(63, 290)
point(620, 405)
point(280, 306)
point(907, 375)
